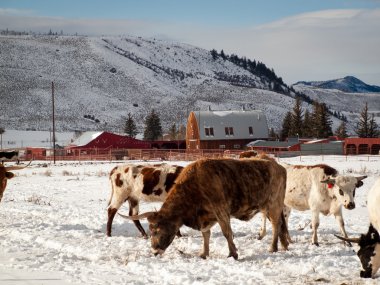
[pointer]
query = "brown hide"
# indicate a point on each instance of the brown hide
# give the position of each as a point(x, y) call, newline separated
point(248, 154)
point(4, 176)
point(214, 190)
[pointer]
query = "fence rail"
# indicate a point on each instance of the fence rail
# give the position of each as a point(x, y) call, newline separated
point(152, 154)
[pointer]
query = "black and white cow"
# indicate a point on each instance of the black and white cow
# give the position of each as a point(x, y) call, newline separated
point(369, 243)
point(9, 155)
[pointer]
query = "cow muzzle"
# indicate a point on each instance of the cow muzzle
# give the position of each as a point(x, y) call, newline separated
point(350, 206)
point(157, 251)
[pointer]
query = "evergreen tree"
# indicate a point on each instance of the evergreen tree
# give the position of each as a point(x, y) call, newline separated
point(341, 131)
point(296, 119)
point(130, 127)
point(373, 128)
point(153, 129)
point(362, 127)
point(307, 130)
point(286, 124)
point(214, 54)
point(223, 55)
point(321, 122)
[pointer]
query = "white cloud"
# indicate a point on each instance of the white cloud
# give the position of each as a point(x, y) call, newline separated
point(311, 46)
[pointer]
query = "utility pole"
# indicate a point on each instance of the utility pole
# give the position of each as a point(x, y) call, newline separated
point(52, 95)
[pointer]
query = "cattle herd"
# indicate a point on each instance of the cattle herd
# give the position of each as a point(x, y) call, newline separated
point(210, 191)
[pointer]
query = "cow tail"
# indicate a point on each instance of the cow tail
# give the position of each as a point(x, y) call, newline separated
point(109, 201)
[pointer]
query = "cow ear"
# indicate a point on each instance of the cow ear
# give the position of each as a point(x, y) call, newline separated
point(359, 181)
point(9, 175)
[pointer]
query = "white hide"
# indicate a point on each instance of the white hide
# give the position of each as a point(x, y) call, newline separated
point(304, 191)
point(373, 203)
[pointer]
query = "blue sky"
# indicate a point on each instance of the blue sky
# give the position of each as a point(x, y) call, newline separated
point(300, 39)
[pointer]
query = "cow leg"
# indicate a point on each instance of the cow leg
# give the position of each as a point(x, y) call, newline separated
point(206, 244)
point(114, 206)
point(263, 230)
point(274, 216)
point(111, 215)
point(314, 225)
point(339, 219)
point(134, 210)
point(287, 210)
point(224, 223)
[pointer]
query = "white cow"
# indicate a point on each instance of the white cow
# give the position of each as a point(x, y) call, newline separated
point(320, 189)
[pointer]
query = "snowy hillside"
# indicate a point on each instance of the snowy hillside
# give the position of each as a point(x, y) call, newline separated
point(99, 80)
point(105, 78)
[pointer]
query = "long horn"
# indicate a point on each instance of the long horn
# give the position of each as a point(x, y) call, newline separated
point(354, 240)
point(360, 178)
point(10, 168)
point(137, 217)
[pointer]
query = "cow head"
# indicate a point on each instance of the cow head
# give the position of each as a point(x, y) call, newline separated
point(343, 188)
point(369, 252)
point(162, 229)
point(5, 174)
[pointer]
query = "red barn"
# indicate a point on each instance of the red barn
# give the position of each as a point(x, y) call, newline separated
point(105, 140)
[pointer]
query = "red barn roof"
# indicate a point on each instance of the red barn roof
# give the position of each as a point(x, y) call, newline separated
point(107, 140)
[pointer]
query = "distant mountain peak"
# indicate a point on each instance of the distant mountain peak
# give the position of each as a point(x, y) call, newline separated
point(349, 84)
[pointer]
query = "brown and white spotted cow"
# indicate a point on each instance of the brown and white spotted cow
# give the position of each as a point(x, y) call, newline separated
point(150, 183)
point(211, 191)
point(5, 174)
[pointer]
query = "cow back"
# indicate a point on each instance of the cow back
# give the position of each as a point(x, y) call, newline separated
point(241, 186)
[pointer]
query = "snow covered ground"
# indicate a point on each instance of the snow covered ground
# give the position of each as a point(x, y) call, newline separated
point(52, 231)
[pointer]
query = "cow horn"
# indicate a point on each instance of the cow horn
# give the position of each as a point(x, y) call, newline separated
point(354, 240)
point(10, 168)
point(360, 178)
point(137, 217)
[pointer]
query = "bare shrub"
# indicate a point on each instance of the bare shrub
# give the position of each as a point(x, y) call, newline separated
point(38, 200)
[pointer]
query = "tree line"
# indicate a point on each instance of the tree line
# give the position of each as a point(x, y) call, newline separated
point(153, 129)
point(318, 124)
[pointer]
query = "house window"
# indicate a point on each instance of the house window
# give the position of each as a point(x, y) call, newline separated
point(222, 146)
point(236, 146)
point(229, 131)
point(209, 132)
point(250, 129)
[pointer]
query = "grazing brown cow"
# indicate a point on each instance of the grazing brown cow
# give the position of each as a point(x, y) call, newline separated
point(132, 182)
point(211, 191)
point(5, 174)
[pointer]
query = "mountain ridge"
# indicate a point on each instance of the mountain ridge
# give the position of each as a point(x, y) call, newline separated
point(349, 84)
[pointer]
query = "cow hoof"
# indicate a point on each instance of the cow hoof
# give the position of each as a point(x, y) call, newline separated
point(347, 243)
point(365, 274)
point(315, 243)
point(273, 249)
point(108, 234)
point(234, 255)
point(203, 256)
